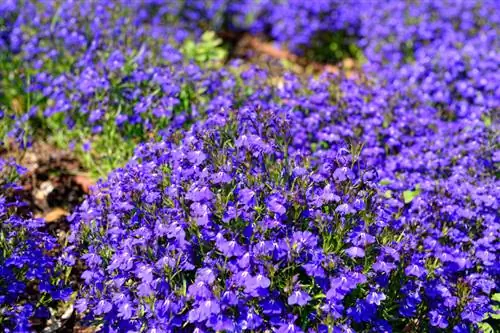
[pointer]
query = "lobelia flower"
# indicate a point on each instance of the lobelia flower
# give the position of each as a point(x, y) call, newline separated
point(103, 307)
point(25, 264)
point(289, 328)
point(251, 321)
point(414, 270)
point(355, 252)
point(438, 320)
point(375, 298)
point(299, 298)
point(275, 205)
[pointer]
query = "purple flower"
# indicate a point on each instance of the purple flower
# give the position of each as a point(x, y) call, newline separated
point(303, 239)
point(197, 157)
point(415, 270)
point(206, 275)
point(276, 205)
point(375, 298)
point(221, 323)
point(252, 189)
point(362, 238)
point(229, 248)
point(81, 305)
point(355, 252)
point(86, 146)
point(145, 273)
point(125, 310)
point(299, 297)
point(344, 209)
point(220, 178)
point(271, 306)
point(438, 320)
point(199, 289)
point(289, 328)
point(251, 321)
point(259, 281)
point(209, 307)
point(103, 306)
point(382, 266)
point(245, 197)
point(244, 260)
point(144, 290)
point(343, 173)
point(344, 283)
point(362, 311)
point(488, 258)
point(205, 310)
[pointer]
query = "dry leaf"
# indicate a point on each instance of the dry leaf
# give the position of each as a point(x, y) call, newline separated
point(80, 329)
point(55, 214)
point(84, 181)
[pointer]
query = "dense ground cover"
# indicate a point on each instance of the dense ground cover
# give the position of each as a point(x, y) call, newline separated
point(233, 197)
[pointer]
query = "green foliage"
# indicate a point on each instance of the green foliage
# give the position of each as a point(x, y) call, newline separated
point(208, 49)
point(11, 92)
point(492, 320)
point(486, 328)
point(334, 47)
point(409, 195)
point(487, 120)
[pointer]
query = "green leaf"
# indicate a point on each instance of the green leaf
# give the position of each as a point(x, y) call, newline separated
point(496, 297)
point(485, 328)
point(409, 195)
point(318, 296)
point(487, 121)
point(208, 36)
point(385, 181)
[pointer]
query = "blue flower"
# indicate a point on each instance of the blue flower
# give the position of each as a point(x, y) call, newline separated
point(375, 298)
point(414, 270)
point(125, 310)
point(298, 297)
point(438, 320)
point(355, 252)
point(102, 307)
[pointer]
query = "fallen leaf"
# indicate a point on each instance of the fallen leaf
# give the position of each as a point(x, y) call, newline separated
point(84, 181)
point(55, 214)
point(80, 329)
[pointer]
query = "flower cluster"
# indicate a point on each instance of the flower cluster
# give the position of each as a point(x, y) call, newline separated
point(297, 24)
point(93, 84)
point(113, 73)
point(207, 225)
point(29, 282)
point(230, 229)
point(444, 53)
point(287, 204)
point(397, 31)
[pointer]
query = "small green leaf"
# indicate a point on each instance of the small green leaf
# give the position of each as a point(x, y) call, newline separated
point(487, 121)
point(318, 296)
point(485, 328)
point(385, 181)
point(409, 195)
point(208, 36)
